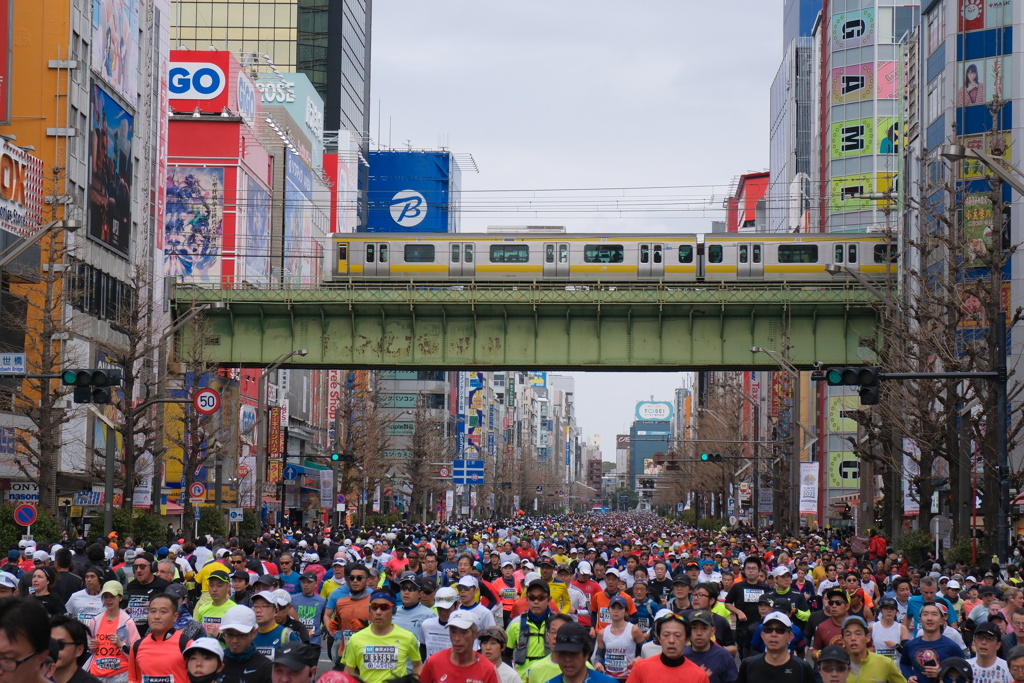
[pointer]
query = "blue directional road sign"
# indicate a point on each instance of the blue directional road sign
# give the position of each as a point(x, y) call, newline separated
point(291, 472)
point(468, 472)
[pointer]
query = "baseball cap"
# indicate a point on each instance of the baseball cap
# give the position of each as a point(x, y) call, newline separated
point(266, 595)
point(445, 597)
point(988, 628)
point(703, 616)
point(240, 574)
point(40, 556)
point(427, 584)
point(684, 580)
point(112, 587)
point(584, 568)
point(239, 618)
point(338, 562)
point(469, 581)
point(208, 645)
point(176, 591)
point(781, 570)
point(496, 632)
point(836, 592)
point(954, 584)
point(620, 601)
point(545, 561)
point(283, 597)
point(539, 583)
point(408, 577)
point(265, 580)
point(854, 619)
point(462, 619)
point(888, 603)
point(778, 616)
point(572, 637)
point(220, 575)
point(957, 664)
point(507, 563)
point(297, 656)
point(9, 580)
point(310, 576)
point(971, 579)
point(765, 599)
point(834, 653)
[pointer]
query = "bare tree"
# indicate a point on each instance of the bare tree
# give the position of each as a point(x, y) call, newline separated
point(429, 444)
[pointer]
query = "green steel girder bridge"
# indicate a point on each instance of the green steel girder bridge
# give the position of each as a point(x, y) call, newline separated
point(633, 327)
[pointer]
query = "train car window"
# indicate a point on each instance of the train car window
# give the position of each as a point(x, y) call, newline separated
point(757, 253)
point(563, 253)
point(382, 254)
point(686, 253)
point(549, 253)
point(798, 253)
point(369, 253)
point(715, 253)
point(516, 253)
point(839, 253)
point(419, 253)
point(455, 253)
point(881, 250)
point(743, 253)
point(343, 252)
point(657, 253)
point(604, 253)
point(852, 251)
point(645, 253)
point(468, 254)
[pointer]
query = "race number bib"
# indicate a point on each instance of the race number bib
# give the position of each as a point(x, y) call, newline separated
point(644, 624)
point(380, 657)
point(615, 663)
point(889, 652)
point(508, 593)
point(138, 608)
point(604, 615)
point(267, 652)
point(211, 620)
point(752, 595)
point(169, 678)
point(108, 663)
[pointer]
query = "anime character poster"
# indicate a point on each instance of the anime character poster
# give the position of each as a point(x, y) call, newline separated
point(193, 222)
point(302, 250)
point(110, 182)
point(254, 219)
point(115, 45)
point(982, 80)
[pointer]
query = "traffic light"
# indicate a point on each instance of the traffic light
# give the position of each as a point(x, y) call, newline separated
point(343, 457)
point(865, 377)
point(712, 457)
point(92, 385)
point(647, 484)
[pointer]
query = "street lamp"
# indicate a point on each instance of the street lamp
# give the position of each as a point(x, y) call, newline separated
point(261, 440)
point(954, 152)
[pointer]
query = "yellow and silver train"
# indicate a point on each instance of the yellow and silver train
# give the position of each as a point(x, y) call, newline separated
point(524, 257)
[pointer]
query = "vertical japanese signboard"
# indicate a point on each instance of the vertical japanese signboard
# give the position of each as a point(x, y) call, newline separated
point(275, 441)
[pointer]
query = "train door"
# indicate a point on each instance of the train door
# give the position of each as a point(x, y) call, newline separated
point(651, 261)
point(377, 259)
point(556, 259)
point(750, 260)
point(846, 254)
point(342, 253)
point(461, 260)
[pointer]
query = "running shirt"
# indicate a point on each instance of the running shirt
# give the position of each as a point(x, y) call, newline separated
point(84, 607)
point(440, 667)
point(212, 614)
point(435, 636)
point(619, 651)
point(996, 673)
point(310, 612)
point(109, 659)
point(268, 641)
point(378, 658)
point(880, 634)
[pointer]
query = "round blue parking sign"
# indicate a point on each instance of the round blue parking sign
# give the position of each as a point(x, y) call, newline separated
point(25, 515)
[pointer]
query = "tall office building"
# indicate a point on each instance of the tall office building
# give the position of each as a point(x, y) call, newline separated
point(792, 135)
point(327, 40)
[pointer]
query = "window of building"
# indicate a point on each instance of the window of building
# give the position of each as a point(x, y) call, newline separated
point(511, 253)
point(419, 253)
point(604, 253)
point(798, 253)
point(936, 27)
point(936, 97)
point(686, 253)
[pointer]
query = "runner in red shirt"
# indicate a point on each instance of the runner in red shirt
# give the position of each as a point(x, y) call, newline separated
point(459, 664)
point(526, 551)
point(673, 632)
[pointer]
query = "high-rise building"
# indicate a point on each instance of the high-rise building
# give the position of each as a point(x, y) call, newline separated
point(792, 136)
point(798, 18)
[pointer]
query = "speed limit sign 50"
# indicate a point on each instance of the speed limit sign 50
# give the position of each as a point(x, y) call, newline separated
point(206, 401)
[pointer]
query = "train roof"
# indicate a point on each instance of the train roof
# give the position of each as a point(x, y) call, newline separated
point(581, 236)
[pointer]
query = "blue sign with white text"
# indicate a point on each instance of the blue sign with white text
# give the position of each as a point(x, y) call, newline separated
point(412, 192)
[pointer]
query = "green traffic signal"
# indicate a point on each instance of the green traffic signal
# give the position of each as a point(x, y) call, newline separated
point(834, 376)
point(705, 456)
point(335, 457)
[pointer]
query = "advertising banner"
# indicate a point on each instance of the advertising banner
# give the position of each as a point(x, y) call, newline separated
point(110, 181)
point(845, 192)
point(303, 252)
point(376, 499)
point(911, 470)
point(411, 191)
point(996, 144)
point(449, 500)
point(853, 138)
point(808, 488)
point(275, 440)
point(247, 481)
point(853, 83)
point(194, 222)
point(843, 470)
point(975, 15)
point(538, 379)
point(21, 186)
point(887, 135)
point(886, 80)
point(253, 229)
point(853, 29)
point(981, 80)
point(661, 411)
point(115, 45)
point(461, 416)
point(326, 488)
point(836, 405)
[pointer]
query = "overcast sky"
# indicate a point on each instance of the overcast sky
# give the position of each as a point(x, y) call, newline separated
point(594, 96)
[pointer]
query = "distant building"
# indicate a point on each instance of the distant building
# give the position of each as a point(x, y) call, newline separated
point(746, 210)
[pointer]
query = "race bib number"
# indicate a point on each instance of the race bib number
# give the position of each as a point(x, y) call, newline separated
point(108, 663)
point(752, 595)
point(604, 615)
point(889, 652)
point(615, 663)
point(138, 608)
point(380, 657)
point(644, 624)
point(169, 678)
point(211, 620)
point(266, 652)
point(508, 593)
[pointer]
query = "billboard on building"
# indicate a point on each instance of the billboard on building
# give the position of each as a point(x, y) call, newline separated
point(411, 192)
point(110, 181)
point(654, 411)
point(303, 103)
point(115, 46)
point(302, 229)
point(252, 219)
point(342, 169)
point(538, 379)
point(21, 190)
point(194, 222)
point(212, 82)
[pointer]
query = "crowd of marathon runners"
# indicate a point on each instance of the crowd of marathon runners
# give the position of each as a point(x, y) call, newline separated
point(584, 598)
